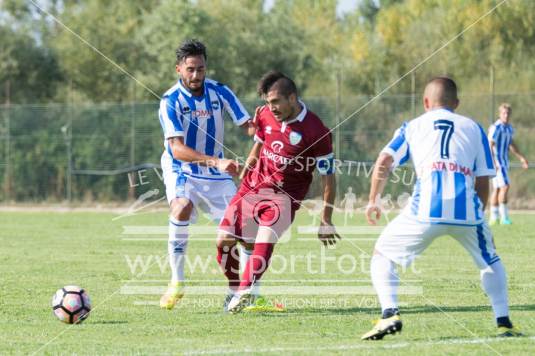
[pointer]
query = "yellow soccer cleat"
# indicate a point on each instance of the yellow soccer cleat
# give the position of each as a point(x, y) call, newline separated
point(263, 305)
point(390, 325)
point(508, 332)
point(175, 292)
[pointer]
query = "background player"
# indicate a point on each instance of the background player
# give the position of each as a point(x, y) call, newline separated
point(452, 159)
point(290, 142)
point(501, 141)
point(194, 169)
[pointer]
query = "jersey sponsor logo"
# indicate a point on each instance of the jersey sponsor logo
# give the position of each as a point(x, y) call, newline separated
point(201, 114)
point(275, 157)
point(452, 167)
point(277, 146)
point(295, 138)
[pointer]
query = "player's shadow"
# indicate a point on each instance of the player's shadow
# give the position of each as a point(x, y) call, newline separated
point(418, 309)
point(109, 322)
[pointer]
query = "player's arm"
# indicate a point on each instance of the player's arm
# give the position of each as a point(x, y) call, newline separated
point(252, 158)
point(327, 233)
point(184, 153)
point(380, 174)
point(492, 145)
point(482, 189)
point(514, 148)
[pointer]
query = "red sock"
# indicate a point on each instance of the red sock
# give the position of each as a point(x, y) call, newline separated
point(257, 264)
point(229, 260)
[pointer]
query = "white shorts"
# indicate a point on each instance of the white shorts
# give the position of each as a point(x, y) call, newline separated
point(405, 238)
point(212, 195)
point(501, 179)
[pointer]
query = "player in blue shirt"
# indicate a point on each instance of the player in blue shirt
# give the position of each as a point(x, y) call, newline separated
point(194, 169)
point(453, 163)
point(501, 141)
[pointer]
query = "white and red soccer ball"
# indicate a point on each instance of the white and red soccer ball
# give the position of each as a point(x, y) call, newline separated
point(71, 304)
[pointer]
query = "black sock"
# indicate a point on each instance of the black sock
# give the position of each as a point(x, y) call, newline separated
point(387, 313)
point(504, 321)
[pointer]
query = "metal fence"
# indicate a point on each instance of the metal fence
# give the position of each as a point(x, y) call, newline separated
point(108, 152)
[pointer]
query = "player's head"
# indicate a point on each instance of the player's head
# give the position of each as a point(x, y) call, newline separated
point(441, 92)
point(191, 65)
point(280, 94)
point(505, 111)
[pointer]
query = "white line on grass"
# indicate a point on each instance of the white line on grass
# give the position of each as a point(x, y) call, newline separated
point(368, 345)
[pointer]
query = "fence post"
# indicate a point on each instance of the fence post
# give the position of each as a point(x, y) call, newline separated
point(338, 111)
point(413, 94)
point(7, 173)
point(131, 189)
point(492, 95)
point(68, 139)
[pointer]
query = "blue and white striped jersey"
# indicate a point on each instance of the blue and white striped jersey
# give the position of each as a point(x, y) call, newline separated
point(502, 136)
point(200, 121)
point(448, 151)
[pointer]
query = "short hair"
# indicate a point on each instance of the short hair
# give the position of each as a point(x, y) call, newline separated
point(189, 48)
point(505, 106)
point(448, 94)
point(284, 84)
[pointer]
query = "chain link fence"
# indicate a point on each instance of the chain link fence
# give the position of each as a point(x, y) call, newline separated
point(111, 152)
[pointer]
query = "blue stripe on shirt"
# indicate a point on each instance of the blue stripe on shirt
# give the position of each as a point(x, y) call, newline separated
point(416, 197)
point(460, 196)
point(436, 195)
point(231, 99)
point(396, 143)
point(486, 147)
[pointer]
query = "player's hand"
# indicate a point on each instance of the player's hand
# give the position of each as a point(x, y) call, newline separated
point(525, 163)
point(229, 166)
point(373, 213)
point(256, 114)
point(327, 234)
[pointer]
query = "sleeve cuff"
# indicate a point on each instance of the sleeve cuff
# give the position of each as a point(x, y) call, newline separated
point(257, 139)
point(174, 134)
point(242, 121)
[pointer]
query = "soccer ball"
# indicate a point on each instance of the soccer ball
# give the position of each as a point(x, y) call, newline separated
point(71, 304)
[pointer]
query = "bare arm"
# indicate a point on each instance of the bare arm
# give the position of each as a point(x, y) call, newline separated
point(327, 233)
point(187, 154)
point(252, 158)
point(513, 147)
point(482, 189)
point(380, 174)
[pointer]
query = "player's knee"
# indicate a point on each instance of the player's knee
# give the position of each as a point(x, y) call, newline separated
point(224, 239)
point(247, 245)
point(181, 209)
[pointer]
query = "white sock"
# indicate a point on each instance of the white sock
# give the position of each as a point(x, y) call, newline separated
point(177, 245)
point(494, 282)
point(504, 211)
point(385, 280)
point(494, 212)
point(245, 254)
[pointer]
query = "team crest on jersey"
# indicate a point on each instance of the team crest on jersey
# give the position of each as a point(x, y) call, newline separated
point(215, 105)
point(268, 130)
point(186, 110)
point(295, 138)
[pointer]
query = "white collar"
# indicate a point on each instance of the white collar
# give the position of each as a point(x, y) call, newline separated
point(301, 116)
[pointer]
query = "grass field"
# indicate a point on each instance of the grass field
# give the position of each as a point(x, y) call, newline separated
point(447, 313)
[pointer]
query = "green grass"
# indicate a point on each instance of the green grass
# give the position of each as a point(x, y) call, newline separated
point(41, 252)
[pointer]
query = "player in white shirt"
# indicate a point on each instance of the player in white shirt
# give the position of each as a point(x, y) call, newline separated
point(501, 141)
point(453, 163)
point(194, 169)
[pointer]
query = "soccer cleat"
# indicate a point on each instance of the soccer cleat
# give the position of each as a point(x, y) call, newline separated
point(506, 221)
point(240, 300)
point(260, 304)
point(175, 292)
point(504, 331)
point(390, 325)
point(228, 298)
point(493, 222)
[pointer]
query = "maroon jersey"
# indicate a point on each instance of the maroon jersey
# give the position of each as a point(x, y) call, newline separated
point(291, 151)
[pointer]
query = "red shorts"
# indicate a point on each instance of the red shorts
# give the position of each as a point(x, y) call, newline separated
point(250, 209)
